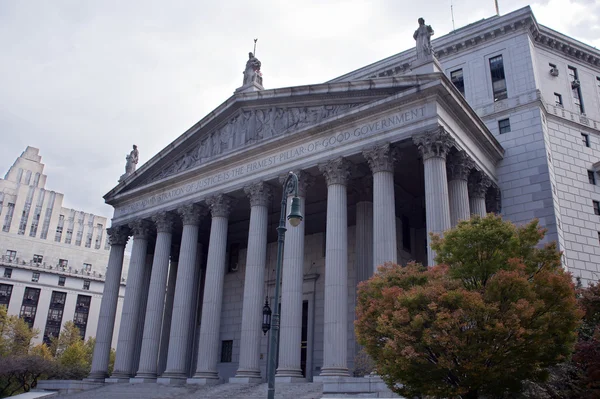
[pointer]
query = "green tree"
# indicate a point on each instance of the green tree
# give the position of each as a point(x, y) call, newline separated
point(497, 310)
point(15, 335)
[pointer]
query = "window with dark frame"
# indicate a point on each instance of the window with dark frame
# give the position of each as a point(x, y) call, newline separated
point(558, 100)
point(86, 284)
point(7, 272)
point(35, 277)
point(504, 126)
point(5, 294)
point(498, 78)
point(61, 280)
point(586, 139)
point(596, 205)
point(592, 177)
point(576, 89)
point(458, 80)
point(226, 351)
point(11, 255)
point(37, 259)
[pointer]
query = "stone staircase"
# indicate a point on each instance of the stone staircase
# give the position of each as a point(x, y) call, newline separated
point(223, 391)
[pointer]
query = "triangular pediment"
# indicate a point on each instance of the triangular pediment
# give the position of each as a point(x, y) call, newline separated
point(248, 120)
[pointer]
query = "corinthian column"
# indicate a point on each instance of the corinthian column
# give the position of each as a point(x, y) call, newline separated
point(168, 312)
point(260, 198)
point(183, 303)
point(208, 344)
point(381, 161)
point(118, 237)
point(290, 332)
point(459, 167)
point(156, 299)
point(124, 367)
point(478, 186)
point(363, 246)
point(434, 146)
point(335, 342)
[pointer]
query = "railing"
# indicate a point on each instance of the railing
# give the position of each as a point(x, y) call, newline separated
point(56, 268)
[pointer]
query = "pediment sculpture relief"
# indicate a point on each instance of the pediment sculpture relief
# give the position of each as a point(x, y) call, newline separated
point(248, 127)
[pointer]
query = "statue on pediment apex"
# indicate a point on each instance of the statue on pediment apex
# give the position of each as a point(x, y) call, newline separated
point(252, 72)
point(131, 161)
point(423, 37)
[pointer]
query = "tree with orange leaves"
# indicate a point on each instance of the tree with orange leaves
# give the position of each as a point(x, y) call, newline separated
point(497, 310)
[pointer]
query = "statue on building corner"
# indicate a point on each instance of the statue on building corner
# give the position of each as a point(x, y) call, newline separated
point(423, 38)
point(252, 72)
point(131, 162)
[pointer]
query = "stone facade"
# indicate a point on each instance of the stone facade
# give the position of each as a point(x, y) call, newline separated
point(385, 154)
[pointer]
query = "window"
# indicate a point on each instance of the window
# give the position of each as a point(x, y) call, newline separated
point(504, 126)
point(87, 267)
point(576, 89)
point(498, 78)
point(457, 79)
point(596, 205)
point(59, 228)
point(69, 236)
point(226, 351)
point(82, 309)
point(63, 263)
point(558, 100)
point(37, 259)
point(7, 272)
point(5, 294)
point(586, 139)
point(86, 284)
point(592, 177)
point(35, 277)
point(8, 218)
point(11, 255)
point(61, 280)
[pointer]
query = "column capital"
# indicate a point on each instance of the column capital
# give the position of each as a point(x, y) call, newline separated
point(220, 205)
point(192, 214)
point(479, 184)
point(363, 189)
point(435, 143)
point(336, 171)
point(118, 235)
point(163, 221)
point(381, 158)
point(459, 165)
point(259, 194)
point(305, 180)
point(141, 229)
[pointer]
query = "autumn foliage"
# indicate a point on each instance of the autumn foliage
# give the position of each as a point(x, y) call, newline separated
point(497, 310)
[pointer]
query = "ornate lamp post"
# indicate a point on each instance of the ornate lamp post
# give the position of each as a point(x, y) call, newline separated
point(290, 186)
point(266, 324)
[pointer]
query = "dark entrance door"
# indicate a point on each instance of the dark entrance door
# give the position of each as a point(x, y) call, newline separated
point(304, 343)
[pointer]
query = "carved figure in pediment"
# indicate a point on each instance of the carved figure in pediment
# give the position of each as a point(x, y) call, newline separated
point(280, 121)
point(184, 163)
point(204, 149)
point(226, 135)
point(265, 121)
point(247, 129)
point(297, 117)
point(216, 144)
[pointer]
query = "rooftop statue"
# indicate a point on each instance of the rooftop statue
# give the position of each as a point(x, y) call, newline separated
point(252, 72)
point(423, 37)
point(131, 161)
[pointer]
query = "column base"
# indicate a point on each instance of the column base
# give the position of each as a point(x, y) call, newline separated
point(96, 377)
point(171, 380)
point(142, 380)
point(202, 381)
point(334, 372)
point(117, 380)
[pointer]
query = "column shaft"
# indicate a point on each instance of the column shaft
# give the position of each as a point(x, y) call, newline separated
point(384, 219)
point(167, 316)
point(208, 345)
point(290, 333)
point(124, 367)
point(154, 310)
point(336, 284)
point(477, 205)
point(458, 194)
point(183, 305)
point(364, 241)
point(253, 294)
point(108, 306)
point(437, 206)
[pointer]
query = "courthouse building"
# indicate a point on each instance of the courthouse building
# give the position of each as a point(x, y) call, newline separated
point(504, 118)
point(54, 258)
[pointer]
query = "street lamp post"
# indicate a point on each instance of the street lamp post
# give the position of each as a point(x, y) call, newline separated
point(290, 186)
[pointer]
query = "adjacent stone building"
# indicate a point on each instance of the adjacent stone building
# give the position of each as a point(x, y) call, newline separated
point(53, 258)
point(499, 116)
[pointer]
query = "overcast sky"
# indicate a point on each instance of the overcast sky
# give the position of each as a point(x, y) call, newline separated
point(83, 80)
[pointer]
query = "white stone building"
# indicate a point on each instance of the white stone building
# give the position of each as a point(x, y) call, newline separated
point(53, 258)
point(505, 119)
